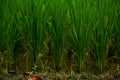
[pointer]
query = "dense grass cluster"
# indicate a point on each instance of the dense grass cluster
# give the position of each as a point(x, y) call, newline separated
point(41, 33)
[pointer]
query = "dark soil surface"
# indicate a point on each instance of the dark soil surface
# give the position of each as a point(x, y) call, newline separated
point(63, 76)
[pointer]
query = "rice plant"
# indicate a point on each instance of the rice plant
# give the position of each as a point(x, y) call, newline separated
point(101, 34)
point(117, 29)
point(58, 13)
point(80, 32)
point(31, 22)
point(34, 18)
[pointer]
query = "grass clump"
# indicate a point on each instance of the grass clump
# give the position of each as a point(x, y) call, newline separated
point(26, 27)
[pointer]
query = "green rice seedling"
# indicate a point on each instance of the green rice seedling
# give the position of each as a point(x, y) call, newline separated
point(117, 27)
point(58, 13)
point(101, 35)
point(33, 21)
point(113, 22)
point(2, 35)
point(100, 46)
point(13, 39)
point(80, 32)
point(30, 22)
point(2, 39)
point(6, 23)
point(3, 9)
point(118, 34)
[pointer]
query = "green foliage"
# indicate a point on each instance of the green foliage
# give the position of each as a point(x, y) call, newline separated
point(31, 22)
point(80, 32)
point(58, 14)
